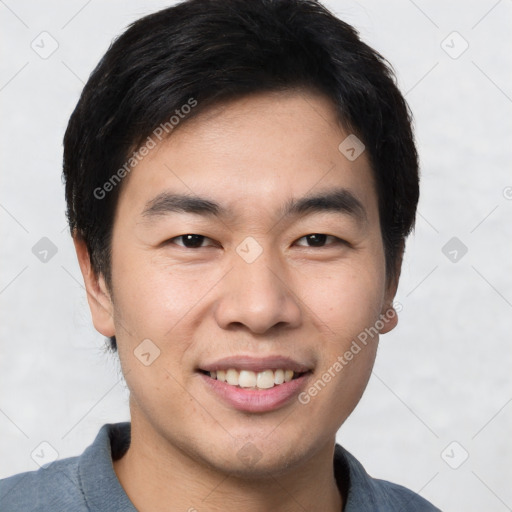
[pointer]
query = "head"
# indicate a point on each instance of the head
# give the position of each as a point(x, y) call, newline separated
point(294, 150)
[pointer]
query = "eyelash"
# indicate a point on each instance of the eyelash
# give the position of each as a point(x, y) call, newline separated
point(338, 241)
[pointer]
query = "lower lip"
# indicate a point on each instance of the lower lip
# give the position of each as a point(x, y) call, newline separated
point(256, 400)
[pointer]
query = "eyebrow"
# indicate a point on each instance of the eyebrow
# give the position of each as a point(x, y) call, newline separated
point(339, 200)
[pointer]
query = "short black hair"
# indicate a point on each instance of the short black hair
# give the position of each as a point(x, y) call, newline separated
point(205, 52)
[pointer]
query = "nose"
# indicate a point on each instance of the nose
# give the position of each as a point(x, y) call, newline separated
point(258, 295)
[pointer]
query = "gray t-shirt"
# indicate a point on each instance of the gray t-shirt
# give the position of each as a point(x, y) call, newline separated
point(88, 483)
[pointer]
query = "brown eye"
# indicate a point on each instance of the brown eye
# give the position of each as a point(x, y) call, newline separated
point(190, 241)
point(319, 239)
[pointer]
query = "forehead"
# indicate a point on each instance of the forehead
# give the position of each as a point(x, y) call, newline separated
point(253, 155)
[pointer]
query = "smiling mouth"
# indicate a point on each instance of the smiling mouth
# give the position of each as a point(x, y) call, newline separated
point(248, 379)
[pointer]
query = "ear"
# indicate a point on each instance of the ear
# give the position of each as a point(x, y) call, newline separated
point(98, 296)
point(389, 313)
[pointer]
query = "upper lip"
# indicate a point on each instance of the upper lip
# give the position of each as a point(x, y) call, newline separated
point(256, 364)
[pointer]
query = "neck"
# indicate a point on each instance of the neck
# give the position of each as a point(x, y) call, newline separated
point(155, 474)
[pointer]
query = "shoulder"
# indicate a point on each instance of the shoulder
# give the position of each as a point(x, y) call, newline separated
point(54, 487)
point(394, 495)
point(367, 493)
point(76, 484)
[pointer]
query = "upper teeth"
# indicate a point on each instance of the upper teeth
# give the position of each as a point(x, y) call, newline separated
point(247, 379)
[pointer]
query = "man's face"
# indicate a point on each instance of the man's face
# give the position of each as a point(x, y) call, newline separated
point(253, 290)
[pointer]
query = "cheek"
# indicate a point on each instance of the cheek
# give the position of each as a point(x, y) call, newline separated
point(151, 303)
point(346, 300)
point(152, 297)
point(346, 307)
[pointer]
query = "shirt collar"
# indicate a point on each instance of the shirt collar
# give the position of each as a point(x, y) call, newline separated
point(353, 481)
point(101, 487)
point(103, 491)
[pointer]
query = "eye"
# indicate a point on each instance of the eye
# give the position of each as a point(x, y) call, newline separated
point(319, 239)
point(195, 241)
point(190, 241)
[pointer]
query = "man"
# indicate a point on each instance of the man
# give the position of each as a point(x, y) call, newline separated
point(240, 178)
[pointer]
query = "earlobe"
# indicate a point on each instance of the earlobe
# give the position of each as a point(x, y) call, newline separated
point(389, 319)
point(389, 313)
point(98, 296)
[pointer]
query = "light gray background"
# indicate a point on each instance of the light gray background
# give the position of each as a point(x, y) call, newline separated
point(443, 375)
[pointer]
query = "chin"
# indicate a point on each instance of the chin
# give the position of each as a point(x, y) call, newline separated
point(259, 457)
